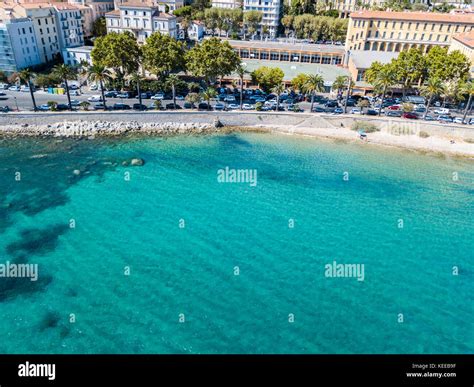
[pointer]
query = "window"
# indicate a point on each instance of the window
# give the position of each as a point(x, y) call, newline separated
point(417, 25)
point(31, 30)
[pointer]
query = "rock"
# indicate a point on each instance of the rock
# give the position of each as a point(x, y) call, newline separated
point(137, 162)
point(218, 123)
point(77, 172)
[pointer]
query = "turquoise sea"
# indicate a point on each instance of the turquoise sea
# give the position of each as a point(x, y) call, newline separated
point(131, 217)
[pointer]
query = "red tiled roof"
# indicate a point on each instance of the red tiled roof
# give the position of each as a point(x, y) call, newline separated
point(414, 16)
point(467, 39)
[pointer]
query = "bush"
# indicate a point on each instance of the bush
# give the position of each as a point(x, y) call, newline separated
point(469, 140)
point(407, 107)
point(367, 127)
point(52, 105)
point(258, 106)
point(423, 134)
point(85, 105)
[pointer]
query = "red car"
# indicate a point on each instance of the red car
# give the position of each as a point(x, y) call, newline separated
point(394, 107)
point(410, 116)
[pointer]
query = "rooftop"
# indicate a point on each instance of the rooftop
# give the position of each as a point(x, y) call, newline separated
point(115, 13)
point(467, 39)
point(287, 46)
point(80, 49)
point(415, 16)
point(363, 59)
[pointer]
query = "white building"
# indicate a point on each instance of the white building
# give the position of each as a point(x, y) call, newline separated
point(142, 19)
point(44, 21)
point(18, 45)
point(165, 6)
point(271, 11)
point(91, 10)
point(231, 4)
point(75, 55)
point(69, 25)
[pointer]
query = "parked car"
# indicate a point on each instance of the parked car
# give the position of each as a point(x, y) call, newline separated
point(393, 113)
point(75, 93)
point(318, 109)
point(471, 121)
point(158, 96)
point(3, 86)
point(247, 106)
point(73, 87)
point(203, 106)
point(95, 98)
point(121, 106)
point(429, 118)
point(14, 88)
point(458, 120)
point(410, 116)
point(138, 106)
point(4, 109)
point(371, 112)
point(75, 102)
point(172, 106)
point(145, 95)
point(393, 107)
point(188, 105)
point(356, 111)
point(125, 94)
point(111, 94)
point(62, 106)
point(442, 111)
point(230, 99)
point(179, 98)
point(338, 110)
point(295, 108)
point(445, 118)
point(44, 107)
point(233, 106)
point(99, 106)
point(331, 104)
point(219, 106)
point(94, 87)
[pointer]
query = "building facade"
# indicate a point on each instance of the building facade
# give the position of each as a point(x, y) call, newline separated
point(69, 25)
point(76, 55)
point(141, 19)
point(230, 4)
point(271, 12)
point(18, 45)
point(399, 31)
point(465, 44)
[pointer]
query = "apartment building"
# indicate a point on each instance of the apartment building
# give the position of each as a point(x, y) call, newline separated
point(165, 6)
point(465, 44)
point(230, 4)
point(18, 45)
point(271, 11)
point(69, 25)
point(141, 19)
point(399, 31)
point(43, 17)
point(345, 7)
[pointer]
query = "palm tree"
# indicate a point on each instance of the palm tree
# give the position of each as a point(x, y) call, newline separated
point(314, 84)
point(384, 80)
point(241, 71)
point(339, 83)
point(209, 94)
point(24, 76)
point(349, 84)
point(65, 72)
point(433, 87)
point(172, 81)
point(136, 77)
point(278, 89)
point(99, 73)
point(467, 88)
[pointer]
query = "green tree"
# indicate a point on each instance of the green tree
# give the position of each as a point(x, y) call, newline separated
point(267, 77)
point(409, 68)
point(173, 81)
point(212, 19)
point(65, 73)
point(212, 59)
point(25, 76)
point(209, 94)
point(99, 28)
point(100, 74)
point(339, 83)
point(446, 66)
point(193, 98)
point(299, 82)
point(85, 105)
point(119, 52)
point(53, 105)
point(384, 80)
point(433, 88)
point(313, 85)
point(278, 90)
point(163, 55)
point(467, 88)
point(287, 22)
point(252, 21)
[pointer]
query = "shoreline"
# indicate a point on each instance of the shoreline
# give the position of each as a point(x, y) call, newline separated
point(437, 138)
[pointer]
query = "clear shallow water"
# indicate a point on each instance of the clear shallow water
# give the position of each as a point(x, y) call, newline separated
point(191, 270)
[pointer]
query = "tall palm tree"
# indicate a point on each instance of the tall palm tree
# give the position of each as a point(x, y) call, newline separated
point(65, 73)
point(348, 84)
point(467, 88)
point(384, 81)
point(172, 81)
point(339, 83)
point(278, 89)
point(209, 94)
point(136, 77)
point(99, 73)
point(241, 72)
point(433, 87)
point(314, 84)
point(25, 76)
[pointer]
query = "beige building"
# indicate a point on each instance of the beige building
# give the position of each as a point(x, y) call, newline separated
point(465, 44)
point(230, 4)
point(399, 31)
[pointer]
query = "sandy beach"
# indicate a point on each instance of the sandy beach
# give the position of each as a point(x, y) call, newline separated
point(416, 135)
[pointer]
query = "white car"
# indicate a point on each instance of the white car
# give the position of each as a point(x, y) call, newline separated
point(3, 86)
point(229, 98)
point(233, 106)
point(356, 111)
point(458, 120)
point(75, 93)
point(442, 111)
point(25, 89)
point(14, 88)
point(158, 97)
point(247, 106)
point(94, 87)
point(95, 98)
